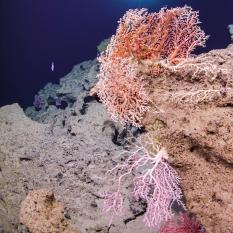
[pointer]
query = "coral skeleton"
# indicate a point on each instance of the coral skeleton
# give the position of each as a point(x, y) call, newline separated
point(195, 96)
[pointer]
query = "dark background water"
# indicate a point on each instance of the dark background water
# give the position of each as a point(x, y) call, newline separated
point(36, 32)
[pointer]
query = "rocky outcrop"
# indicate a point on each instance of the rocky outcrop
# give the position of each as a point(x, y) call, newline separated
point(69, 157)
point(195, 125)
point(68, 150)
point(71, 93)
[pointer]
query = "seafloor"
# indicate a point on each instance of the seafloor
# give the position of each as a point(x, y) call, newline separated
point(68, 148)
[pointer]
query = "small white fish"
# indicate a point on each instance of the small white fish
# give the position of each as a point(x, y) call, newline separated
point(52, 66)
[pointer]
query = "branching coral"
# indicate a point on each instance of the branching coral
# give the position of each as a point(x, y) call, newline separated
point(158, 185)
point(136, 54)
point(122, 90)
point(170, 34)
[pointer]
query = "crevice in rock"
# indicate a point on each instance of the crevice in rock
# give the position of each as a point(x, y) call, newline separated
point(83, 110)
point(126, 221)
point(25, 159)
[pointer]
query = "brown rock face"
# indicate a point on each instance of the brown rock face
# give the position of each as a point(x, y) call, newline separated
point(195, 124)
point(40, 212)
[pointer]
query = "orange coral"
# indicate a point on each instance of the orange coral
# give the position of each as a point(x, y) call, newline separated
point(170, 33)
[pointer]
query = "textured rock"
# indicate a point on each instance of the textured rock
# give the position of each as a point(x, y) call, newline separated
point(69, 155)
point(16, 132)
point(103, 45)
point(71, 91)
point(69, 150)
point(41, 213)
point(196, 128)
point(230, 27)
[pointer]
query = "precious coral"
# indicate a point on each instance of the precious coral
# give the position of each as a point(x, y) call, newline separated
point(170, 34)
point(158, 185)
point(182, 224)
point(122, 90)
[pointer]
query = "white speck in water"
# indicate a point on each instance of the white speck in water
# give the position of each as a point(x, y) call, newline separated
point(52, 66)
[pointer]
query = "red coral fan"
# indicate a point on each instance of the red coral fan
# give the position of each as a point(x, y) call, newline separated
point(170, 33)
point(122, 91)
point(182, 224)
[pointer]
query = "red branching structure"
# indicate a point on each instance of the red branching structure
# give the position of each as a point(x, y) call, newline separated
point(182, 224)
point(170, 34)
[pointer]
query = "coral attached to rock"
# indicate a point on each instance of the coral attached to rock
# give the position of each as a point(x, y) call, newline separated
point(71, 148)
point(195, 126)
point(170, 34)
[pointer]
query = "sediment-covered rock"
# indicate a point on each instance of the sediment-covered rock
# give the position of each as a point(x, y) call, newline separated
point(195, 125)
point(40, 212)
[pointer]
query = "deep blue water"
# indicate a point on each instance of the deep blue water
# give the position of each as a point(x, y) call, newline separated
point(36, 32)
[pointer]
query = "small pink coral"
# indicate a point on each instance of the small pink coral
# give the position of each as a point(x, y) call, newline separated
point(158, 185)
point(113, 204)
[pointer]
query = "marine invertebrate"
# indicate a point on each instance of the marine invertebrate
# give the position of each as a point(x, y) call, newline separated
point(195, 96)
point(113, 204)
point(157, 185)
point(122, 90)
point(170, 34)
point(182, 223)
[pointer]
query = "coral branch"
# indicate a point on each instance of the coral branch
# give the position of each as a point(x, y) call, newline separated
point(170, 34)
point(113, 204)
point(122, 91)
point(157, 185)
